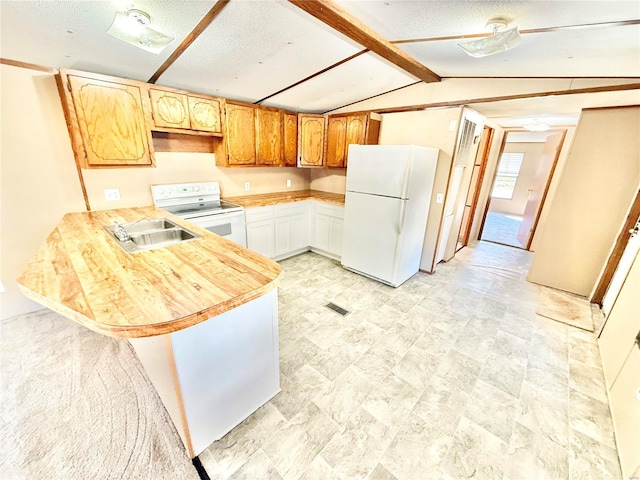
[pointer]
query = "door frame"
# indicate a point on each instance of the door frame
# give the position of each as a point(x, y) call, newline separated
point(486, 139)
point(543, 199)
point(616, 253)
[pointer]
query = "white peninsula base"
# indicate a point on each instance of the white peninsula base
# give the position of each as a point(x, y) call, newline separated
point(213, 375)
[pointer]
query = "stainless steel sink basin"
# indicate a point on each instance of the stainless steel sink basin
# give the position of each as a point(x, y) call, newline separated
point(150, 233)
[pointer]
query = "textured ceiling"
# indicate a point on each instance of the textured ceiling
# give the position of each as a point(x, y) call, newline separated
point(256, 49)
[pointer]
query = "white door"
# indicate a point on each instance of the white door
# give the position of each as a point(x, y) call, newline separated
point(630, 252)
point(379, 169)
point(371, 233)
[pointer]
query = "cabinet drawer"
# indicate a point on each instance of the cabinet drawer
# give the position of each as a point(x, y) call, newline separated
point(258, 214)
point(289, 209)
point(330, 210)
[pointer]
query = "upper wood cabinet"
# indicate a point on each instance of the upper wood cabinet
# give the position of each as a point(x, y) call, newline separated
point(345, 130)
point(240, 138)
point(205, 114)
point(268, 137)
point(290, 139)
point(311, 140)
point(174, 110)
point(108, 120)
point(336, 141)
point(169, 109)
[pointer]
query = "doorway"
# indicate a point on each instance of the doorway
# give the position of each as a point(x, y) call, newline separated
point(526, 164)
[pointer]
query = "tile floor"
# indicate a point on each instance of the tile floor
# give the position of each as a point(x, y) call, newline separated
point(501, 228)
point(449, 376)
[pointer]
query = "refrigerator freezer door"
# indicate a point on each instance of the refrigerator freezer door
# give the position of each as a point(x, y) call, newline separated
point(372, 232)
point(379, 169)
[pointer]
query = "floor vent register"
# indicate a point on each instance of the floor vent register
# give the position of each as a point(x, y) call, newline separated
point(337, 309)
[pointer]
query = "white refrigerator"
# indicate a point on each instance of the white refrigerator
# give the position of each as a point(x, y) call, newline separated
point(386, 207)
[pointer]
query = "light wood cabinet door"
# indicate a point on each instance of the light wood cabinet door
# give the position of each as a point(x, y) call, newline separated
point(112, 122)
point(241, 136)
point(310, 140)
point(205, 114)
point(290, 139)
point(356, 129)
point(268, 137)
point(169, 109)
point(336, 141)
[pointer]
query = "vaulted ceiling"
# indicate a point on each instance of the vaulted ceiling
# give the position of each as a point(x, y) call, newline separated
point(275, 53)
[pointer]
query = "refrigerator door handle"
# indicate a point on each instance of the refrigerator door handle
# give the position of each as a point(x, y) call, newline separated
point(403, 207)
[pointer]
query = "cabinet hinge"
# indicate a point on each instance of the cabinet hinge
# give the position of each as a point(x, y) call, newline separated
point(69, 86)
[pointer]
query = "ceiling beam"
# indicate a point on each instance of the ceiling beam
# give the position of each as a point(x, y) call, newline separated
point(328, 12)
point(471, 101)
point(189, 39)
point(584, 26)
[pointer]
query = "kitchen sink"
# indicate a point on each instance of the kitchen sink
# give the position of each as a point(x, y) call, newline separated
point(150, 233)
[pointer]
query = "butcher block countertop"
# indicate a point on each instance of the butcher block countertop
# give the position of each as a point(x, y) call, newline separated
point(81, 273)
point(265, 199)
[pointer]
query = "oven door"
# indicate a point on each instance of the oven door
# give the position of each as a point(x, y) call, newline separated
point(228, 225)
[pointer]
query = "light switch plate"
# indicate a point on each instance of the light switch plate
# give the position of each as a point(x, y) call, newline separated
point(247, 186)
point(439, 197)
point(111, 194)
point(288, 183)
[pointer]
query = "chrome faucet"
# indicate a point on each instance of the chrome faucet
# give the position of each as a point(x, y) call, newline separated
point(120, 232)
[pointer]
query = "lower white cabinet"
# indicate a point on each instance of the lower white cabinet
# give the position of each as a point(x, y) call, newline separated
point(328, 221)
point(279, 231)
point(291, 228)
point(260, 232)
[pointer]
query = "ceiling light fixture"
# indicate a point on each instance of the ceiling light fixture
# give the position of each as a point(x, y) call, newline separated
point(132, 27)
point(536, 125)
point(495, 43)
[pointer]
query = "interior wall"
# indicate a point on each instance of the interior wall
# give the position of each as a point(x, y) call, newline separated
point(178, 167)
point(601, 175)
point(431, 128)
point(38, 177)
point(516, 204)
point(328, 180)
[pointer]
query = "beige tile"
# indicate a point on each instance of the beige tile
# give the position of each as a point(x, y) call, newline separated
point(381, 473)
point(298, 390)
point(354, 452)
point(417, 367)
point(587, 380)
point(460, 369)
point(591, 417)
point(503, 407)
point(535, 456)
point(474, 452)
point(342, 397)
point(544, 413)
point(589, 458)
point(391, 401)
point(442, 404)
point(292, 447)
point(417, 449)
point(319, 469)
point(258, 466)
point(503, 373)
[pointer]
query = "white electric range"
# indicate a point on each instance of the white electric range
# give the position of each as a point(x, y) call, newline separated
point(200, 203)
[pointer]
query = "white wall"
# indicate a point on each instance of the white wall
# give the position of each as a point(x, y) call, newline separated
point(39, 182)
point(518, 201)
point(431, 128)
point(600, 178)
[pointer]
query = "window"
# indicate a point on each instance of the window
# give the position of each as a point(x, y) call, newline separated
point(507, 175)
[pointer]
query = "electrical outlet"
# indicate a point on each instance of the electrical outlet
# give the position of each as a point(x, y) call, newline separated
point(440, 198)
point(246, 186)
point(111, 194)
point(288, 183)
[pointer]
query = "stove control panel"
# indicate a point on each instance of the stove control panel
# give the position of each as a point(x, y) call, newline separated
point(182, 190)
